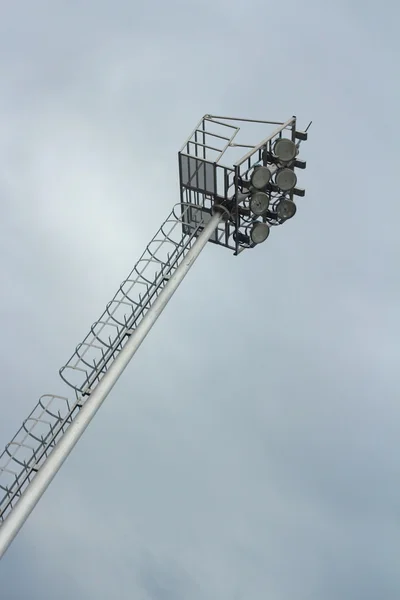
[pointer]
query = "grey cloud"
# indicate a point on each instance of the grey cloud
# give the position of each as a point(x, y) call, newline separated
point(251, 447)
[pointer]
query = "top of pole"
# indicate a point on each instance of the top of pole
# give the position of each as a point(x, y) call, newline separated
point(217, 166)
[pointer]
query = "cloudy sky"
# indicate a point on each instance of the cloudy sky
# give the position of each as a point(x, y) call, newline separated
point(251, 449)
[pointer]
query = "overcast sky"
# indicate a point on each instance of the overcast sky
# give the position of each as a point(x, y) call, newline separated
point(251, 449)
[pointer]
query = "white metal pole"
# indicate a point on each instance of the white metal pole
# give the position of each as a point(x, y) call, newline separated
point(53, 463)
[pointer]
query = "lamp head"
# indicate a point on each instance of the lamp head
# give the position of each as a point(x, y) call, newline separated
point(259, 233)
point(260, 177)
point(286, 209)
point(259, 203)
point(286, 179)
point(285, 150)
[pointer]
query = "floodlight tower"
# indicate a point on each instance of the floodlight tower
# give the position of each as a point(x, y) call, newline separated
point(234, 206)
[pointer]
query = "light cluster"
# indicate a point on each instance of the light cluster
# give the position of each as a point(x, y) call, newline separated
point(265, 193)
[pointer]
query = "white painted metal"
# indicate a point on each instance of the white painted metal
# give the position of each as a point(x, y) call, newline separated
point(55, 460)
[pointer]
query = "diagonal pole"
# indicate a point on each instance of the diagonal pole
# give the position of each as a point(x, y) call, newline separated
point(53, 463)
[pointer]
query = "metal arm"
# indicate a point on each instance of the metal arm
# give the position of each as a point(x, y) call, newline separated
point(31, 460)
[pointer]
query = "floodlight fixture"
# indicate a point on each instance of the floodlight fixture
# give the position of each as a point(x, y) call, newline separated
point(259, 203)
point(286, 209)
point(260, 177)
point(285, 150)
point(286, 179)
point(259, 232)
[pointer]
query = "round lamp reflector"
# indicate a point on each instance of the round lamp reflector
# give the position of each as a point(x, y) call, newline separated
point(286, 209)
point(259, 203)
point(286, 179)
point(260, 177)
point(285, 150)
point(259, 233)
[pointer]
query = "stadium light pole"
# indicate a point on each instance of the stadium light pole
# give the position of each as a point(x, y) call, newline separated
point(232, 206)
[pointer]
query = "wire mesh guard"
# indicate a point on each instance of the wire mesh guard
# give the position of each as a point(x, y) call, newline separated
point(212, 170)
point(52, 415)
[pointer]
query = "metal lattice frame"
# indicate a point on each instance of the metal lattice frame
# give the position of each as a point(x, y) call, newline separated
point(211, 166)
point(52, 415)
point(214, 177)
